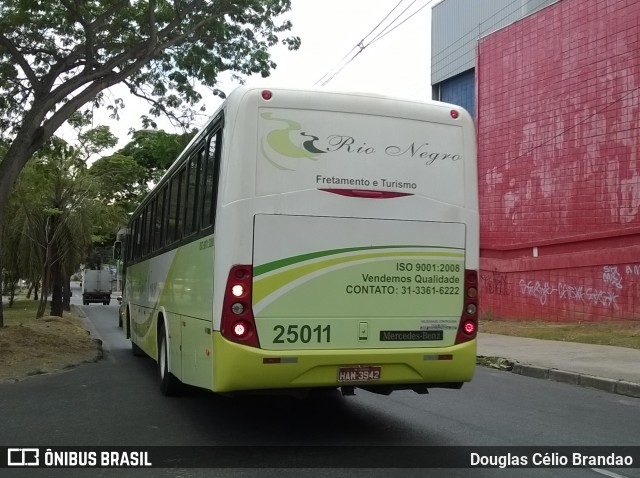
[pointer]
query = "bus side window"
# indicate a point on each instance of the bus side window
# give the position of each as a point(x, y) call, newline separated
point(172, 210)
point(148, 227)
point(210, 186)
point(192, 193)
point(182, 174)
point(138, 245)
point(132, 242)
point(158, 236)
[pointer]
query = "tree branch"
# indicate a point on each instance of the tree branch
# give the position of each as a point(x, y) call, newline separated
point(153, 28)
point(89, 32)
point(180, 17)
point(60, 93)
point(143, 50)
point(50, 126)
point(183, 36)
point(99, 21)
point(136, 92)
point(21, 61)
point(74, 60)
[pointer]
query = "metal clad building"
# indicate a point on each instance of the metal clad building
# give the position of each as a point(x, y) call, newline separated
point(456, 27)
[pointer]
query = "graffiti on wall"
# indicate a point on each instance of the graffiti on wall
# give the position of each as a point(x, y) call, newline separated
point(539, 290)
point(610, 275)
point(587, 295)
point(496, 283)
point(605, 297)
point(632, 270)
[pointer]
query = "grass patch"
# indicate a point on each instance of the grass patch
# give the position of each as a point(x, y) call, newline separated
point(618, 333)
point(30, 346)
point(23, 310)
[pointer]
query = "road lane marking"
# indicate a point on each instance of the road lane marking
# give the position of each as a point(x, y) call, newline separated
point(611, 474)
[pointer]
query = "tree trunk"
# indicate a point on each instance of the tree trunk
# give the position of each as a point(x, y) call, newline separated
point(55, 269)
point(66, 294)
point(42, 306)
point(44, 292)
point(1, 231)
point(12, 290)
point(56, 289)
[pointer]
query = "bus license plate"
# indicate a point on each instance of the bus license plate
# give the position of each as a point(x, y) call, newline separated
point(359, 374)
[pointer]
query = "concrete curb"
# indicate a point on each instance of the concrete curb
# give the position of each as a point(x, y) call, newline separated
point(101, 347)
point(621, 387)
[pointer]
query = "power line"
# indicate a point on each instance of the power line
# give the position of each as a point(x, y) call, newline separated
point(361, 45)
point(450, 45)
point(393, 21)
point(385, 17)
point(435, 63)
point(385, 33)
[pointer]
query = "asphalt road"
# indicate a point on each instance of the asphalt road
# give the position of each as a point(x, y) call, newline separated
point(116, 402)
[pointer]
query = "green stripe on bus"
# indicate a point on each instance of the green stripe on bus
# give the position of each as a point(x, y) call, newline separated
point(277, 264)
point(266, 286)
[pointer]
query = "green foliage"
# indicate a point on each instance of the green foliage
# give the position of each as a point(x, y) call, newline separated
point(54, 188)
point(120, 180)
point(56, 212)
point(124, 177)
point(161, 49)
point(155, 151)
point(95, 140)
point(58, 56)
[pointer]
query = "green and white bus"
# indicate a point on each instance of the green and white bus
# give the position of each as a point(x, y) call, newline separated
point(308, 239)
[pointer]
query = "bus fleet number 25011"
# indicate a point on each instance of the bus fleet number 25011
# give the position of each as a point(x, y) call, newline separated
point(302, 333)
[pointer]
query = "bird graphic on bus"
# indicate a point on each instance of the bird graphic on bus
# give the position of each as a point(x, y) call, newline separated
point(279, 140)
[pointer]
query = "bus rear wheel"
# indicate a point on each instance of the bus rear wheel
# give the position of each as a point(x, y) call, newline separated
point(169, 384)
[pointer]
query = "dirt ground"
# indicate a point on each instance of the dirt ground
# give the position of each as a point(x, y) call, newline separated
point(46, 345)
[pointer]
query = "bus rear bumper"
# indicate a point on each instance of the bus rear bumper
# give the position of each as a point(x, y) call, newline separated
point(242, 368)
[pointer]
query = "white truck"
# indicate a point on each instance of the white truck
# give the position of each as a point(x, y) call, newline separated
point(97, 286)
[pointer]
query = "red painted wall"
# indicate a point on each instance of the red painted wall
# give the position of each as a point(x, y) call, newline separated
point(559, 162)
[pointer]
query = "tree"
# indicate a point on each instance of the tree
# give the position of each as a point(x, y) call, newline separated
point(155, 150)
point(55, 215)
point(11, 261)
point(55, 210)
point(125, 176)
point(56, 57)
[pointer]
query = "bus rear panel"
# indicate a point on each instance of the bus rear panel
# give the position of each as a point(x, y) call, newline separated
point(346, 245)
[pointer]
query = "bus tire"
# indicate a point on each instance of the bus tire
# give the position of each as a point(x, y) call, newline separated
point(128, 324)
point(169, 384)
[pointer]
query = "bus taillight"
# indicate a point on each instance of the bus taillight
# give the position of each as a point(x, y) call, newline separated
point(468, 328)
point(238, 324)
point(240, 329)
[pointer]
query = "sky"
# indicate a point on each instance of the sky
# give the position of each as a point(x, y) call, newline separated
point(397, 64)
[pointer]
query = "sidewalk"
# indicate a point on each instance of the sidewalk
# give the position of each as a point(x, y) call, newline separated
point(612, 369)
